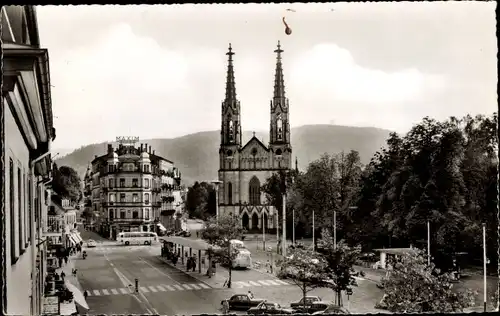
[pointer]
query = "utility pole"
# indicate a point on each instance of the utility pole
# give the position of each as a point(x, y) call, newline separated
point(293, 228)
point(314, 240)
point(428, 243)
point(263, 232)
point(334, 229)
point(484, 265)
point(284, 225)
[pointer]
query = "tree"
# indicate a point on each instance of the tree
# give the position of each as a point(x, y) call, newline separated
point(415, 287)
point(200, 200)
point(219, 233)
point(339, 260)
point(305, 268)
point(67, 183)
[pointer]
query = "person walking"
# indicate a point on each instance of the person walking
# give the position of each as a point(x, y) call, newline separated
point(66, 259)
point(225, 307)
point(85, 294)
point(60, 259)
point(250, 295)
point(63, 275)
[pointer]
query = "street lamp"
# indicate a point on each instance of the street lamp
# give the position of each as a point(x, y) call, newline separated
point(216, 183)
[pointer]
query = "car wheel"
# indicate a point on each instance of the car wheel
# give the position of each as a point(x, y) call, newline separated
point(127, 243)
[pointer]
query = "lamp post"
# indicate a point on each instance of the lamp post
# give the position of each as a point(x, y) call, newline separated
point(484, 265)
point(216, 183)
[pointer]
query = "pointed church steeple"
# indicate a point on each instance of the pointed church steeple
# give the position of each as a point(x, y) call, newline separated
point(230, 85)
point(279, 83)
point(296, 165)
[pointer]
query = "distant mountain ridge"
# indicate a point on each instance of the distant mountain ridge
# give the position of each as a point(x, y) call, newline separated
point(197, 155)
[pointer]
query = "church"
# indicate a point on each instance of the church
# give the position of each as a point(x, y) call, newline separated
point(244, 168)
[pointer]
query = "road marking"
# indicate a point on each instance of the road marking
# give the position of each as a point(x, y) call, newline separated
point(177, 286)
point(282, 282)
point(124, 290)
point(152, 288)
point(243, 283)
point(204, 286)
point(254, 283)
point(114, 291)
point(263, 282)
point(161, 288)
point(161, 272)
point(194, 286)
point(273, 282)
point(169, 287)
point(96, 293)
point(105, 292)
point(186, 286)
point(143, 289)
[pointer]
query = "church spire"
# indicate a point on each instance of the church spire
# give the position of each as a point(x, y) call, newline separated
point(279, 84)
point(296, 164)
point(230, 85)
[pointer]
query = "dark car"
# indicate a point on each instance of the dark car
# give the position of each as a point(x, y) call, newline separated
point(309, 300)
point(316, 307)
point(242, 302)
point(266, 308)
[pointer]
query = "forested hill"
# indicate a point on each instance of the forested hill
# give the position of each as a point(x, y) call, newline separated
point(197, 155)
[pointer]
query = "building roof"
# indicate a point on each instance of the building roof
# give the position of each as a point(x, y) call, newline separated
point(254, 139)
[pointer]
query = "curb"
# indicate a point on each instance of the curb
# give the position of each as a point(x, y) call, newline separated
point(181, 270)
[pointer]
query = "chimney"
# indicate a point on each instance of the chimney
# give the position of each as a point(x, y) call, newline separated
point(110, 148)
point(150, 149)
point(153, 152)
point(145, 147)
point(141, 146)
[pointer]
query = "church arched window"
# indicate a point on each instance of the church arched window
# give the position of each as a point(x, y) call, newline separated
point(230, 130)
point(254, 191)
point(279, 125)
point(229, 193)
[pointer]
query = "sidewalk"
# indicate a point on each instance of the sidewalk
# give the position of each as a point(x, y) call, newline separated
point(216, 281)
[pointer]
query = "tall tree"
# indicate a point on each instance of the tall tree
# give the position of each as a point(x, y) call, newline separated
point(200, 200)
point(219, 233)
point(67, 183)
point(305, 268)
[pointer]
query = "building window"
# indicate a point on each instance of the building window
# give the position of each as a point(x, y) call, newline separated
point(254, 190)
point(122, 213)
point(146, 213)
point(146, 183)
point(135, 183)
point(13, 254)
point(111, 182)
point(112, 198)
point(135, 198)
point(135, 214)
point(229, 193)
point(122, 183)
point(27, 220)
point(279, 125)
point(122, 197)
point(111, 214)
point(146, 198)
point(20, 209)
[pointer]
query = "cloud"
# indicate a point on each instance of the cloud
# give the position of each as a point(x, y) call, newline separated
point(331, 70)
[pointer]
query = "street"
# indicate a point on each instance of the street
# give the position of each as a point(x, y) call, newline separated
point(109, 272)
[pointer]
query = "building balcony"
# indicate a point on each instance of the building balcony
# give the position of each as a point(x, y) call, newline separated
point(139, 220)
point(128, 187)
point(126, 203)
point(167, 212)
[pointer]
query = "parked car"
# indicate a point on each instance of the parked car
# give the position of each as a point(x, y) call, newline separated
point(331, 309)
point(315, 307)
point(243, 302)
point(309, 300)
point(91, 243)
point(267, 308)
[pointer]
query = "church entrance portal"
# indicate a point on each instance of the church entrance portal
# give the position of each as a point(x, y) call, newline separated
point(245, 221)
point(255, 221)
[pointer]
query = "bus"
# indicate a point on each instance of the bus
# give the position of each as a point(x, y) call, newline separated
point(244, 258)
point(138, 238)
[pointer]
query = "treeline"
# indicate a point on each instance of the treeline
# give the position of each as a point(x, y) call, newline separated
point(444, 173)
point(201, 200)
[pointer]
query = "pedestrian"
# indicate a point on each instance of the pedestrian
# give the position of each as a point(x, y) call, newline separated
point(85, 294)
point(66, 259)
point(60, 262)
point(268, 266)
point(194, 264)
point(63, 275)
point(250, 295)
point(188, 264)
point(74, 272)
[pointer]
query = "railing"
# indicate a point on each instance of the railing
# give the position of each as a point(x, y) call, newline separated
point(130, 220)
point(128, 187)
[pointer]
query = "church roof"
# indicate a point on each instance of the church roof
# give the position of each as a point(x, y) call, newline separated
point(253, 140)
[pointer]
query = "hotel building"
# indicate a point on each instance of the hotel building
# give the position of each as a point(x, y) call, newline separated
point(129, 188)
point(26, 133)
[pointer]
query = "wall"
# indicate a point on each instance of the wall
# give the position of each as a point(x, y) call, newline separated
point(18, 276)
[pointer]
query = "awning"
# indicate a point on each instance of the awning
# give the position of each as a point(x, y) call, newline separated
point(161, 227)
point(77, 295)
point(78, 237)
point(72, 239)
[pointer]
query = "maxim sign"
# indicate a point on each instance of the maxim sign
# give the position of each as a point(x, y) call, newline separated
point(127, 140)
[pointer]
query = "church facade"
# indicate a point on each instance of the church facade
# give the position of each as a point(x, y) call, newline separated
point(244, 168)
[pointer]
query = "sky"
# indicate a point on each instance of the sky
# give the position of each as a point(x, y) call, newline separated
point(159, 71)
